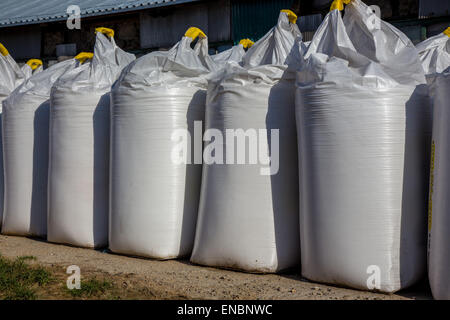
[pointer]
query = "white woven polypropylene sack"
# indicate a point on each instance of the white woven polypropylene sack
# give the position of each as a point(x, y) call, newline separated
point(79, 148)
point(438, 207)
point(435, 53)
point(10, 78)
point(154, 200)
point(248, 220)
point(363, 121)
point(25, 147)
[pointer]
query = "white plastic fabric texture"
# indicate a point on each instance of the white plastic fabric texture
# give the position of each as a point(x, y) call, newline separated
point(25, 146)
point(154, 200)
point(249, 220)
point(234, 54)
point(435, 53)
point(439, 203)
point(79, 148)
point(363, 121)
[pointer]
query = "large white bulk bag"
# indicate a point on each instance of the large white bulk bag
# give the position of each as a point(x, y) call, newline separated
point(25, 147)
point(10, 77)
point(435, 52)
point(364, 126)
point(79, 147)
point(154, 200)
point(33, 66)
point(248, 216)
point(439, 203)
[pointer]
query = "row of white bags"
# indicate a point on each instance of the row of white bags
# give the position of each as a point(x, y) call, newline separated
point(363, 121)
point(249, 221)
point(363, 133)
point(154, 201)
point(75, 163)
point(77, 172)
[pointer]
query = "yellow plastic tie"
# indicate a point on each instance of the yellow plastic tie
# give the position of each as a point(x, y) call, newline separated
point(291, 15)
point(34, 63)
point(246, 43)
point(105, 31)
point(3, 50)
point(447, 32)
point(83, 56)
point(194, 32)
point(339, 4)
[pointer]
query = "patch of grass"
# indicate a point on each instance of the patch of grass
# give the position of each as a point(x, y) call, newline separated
point(18, 280)
point(21, 280)
point(25, 258)
point(91, 287)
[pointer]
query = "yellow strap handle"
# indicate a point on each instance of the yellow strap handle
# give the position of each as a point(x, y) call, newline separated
point(291, 16)
point(106, 31)
point(83, 56)
point(194, 32)
point(34, 63)
point(3, 50)
point(246, 43)
point(447, 32)
point(339, 4)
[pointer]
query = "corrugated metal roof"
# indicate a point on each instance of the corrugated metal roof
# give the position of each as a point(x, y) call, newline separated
point(22, 12)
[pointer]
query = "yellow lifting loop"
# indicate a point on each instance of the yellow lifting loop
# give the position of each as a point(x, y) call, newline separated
point(34, 63)
point(83, 56)
point(3, 50)
point(291, 16)
point(106, 31)
point(194, 32)
point(339, 4)
point(246, 43)
point(447, 32)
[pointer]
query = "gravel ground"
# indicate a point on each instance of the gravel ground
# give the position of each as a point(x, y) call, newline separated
point(178, 279)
